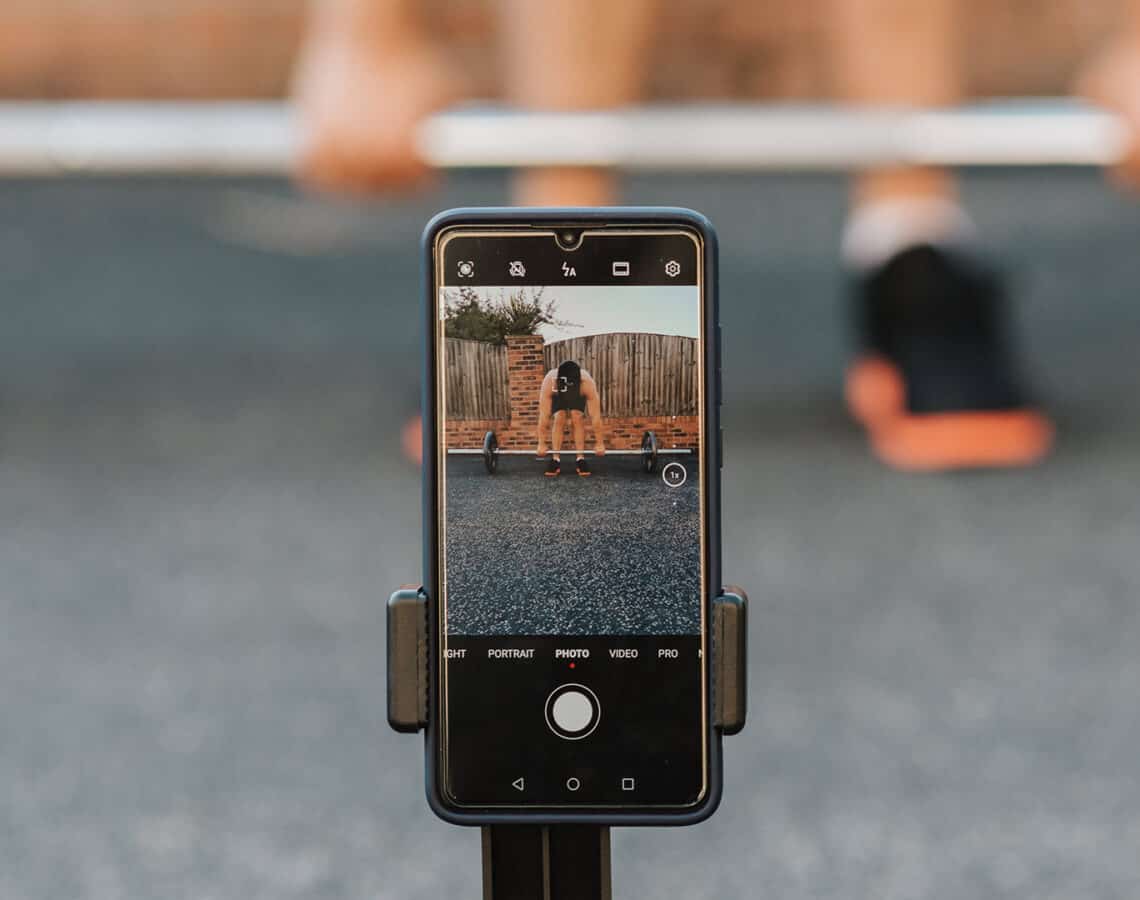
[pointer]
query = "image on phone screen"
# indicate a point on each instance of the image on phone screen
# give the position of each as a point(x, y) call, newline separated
point(571, 393)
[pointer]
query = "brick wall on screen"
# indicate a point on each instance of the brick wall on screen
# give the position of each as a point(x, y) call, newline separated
point(525, 371)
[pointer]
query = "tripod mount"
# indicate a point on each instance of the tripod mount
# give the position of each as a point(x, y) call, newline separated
point(564, 861)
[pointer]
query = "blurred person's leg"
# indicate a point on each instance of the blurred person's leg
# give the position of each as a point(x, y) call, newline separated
point(366, 75)
point(934, 383)
point(1112, 79)
point(904, 53)
point(573, 55)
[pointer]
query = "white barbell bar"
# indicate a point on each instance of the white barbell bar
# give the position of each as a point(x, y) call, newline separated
point(263, 138)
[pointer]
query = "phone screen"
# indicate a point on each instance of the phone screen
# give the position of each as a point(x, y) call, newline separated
point(571, 517)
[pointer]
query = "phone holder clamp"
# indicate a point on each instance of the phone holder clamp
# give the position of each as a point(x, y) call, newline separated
point(551, 862)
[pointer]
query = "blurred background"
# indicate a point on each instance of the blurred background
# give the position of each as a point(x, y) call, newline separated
point(204, 506)
point(704, 48)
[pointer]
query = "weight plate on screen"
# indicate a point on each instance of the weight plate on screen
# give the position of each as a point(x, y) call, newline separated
point(490, 452)
point(649, 452)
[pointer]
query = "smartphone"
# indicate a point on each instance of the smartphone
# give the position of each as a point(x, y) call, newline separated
point(572, 524)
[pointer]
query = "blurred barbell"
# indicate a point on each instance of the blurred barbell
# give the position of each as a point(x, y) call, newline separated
point(263, 138)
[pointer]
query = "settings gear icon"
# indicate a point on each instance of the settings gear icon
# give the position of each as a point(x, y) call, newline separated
point(672, 268)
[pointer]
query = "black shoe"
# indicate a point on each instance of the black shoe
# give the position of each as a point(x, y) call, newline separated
point(553, 468)
point(582, 467)
point(935, 382)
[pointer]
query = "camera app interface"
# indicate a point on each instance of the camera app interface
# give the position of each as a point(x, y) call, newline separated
point(570, 391)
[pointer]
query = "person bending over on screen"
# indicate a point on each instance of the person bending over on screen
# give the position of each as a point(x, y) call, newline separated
point(570, 391)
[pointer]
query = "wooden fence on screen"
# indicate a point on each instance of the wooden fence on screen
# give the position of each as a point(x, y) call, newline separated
point(637, 374)
point(476, 380)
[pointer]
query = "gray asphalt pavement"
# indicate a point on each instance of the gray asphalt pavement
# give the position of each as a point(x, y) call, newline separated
point(615, 553)
point(204, 508)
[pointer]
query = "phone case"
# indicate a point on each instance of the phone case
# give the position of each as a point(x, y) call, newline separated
point(711, 460)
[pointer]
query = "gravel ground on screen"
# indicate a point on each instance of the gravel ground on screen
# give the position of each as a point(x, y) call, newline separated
point(615, 553)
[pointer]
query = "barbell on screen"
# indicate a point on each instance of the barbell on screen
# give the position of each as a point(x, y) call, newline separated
point(263, 138)
point(648, 453)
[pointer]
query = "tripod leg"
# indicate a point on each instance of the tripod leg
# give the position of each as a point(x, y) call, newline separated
point(559, 862)
point(579, 862)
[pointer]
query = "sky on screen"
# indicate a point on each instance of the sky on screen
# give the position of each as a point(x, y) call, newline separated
point(602, 309)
